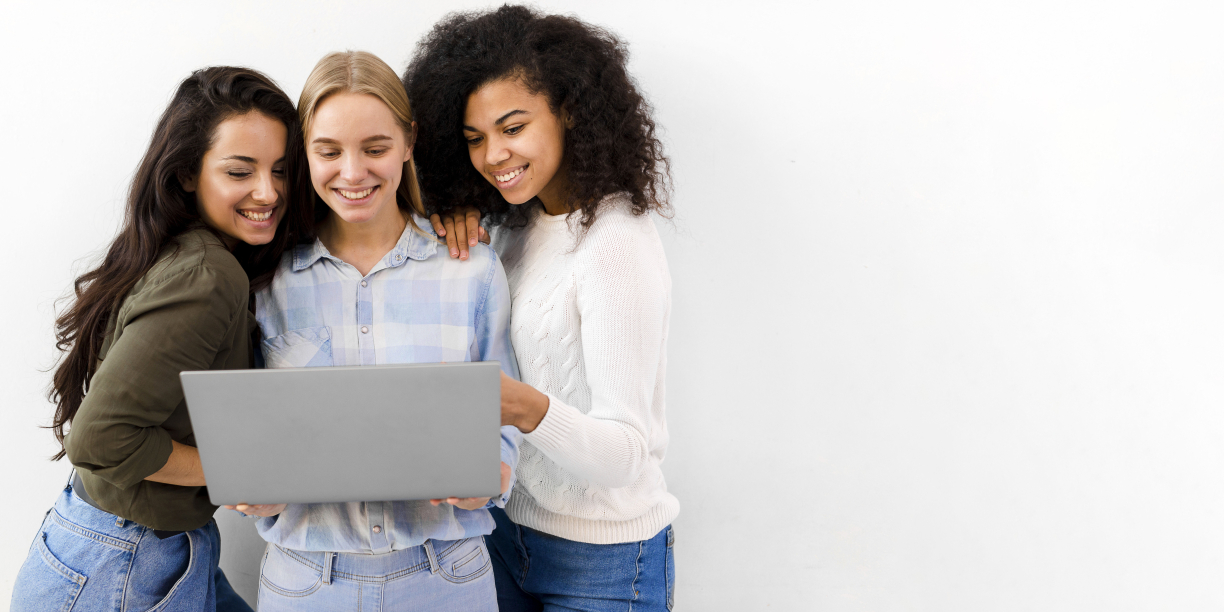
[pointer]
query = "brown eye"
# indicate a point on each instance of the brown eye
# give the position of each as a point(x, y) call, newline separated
point(514, 130)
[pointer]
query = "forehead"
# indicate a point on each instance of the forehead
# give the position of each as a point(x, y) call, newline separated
point(252, 133)
point(345, 116)
point(492, 100)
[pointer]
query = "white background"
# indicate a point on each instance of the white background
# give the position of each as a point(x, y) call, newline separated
point(947, 327)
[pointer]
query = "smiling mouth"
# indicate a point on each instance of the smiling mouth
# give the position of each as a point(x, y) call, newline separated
point(256, 216)
point(503, 178)
point(355, 195)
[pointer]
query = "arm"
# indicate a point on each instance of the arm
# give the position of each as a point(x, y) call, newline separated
point(176, 325)
point(492, 343)
point(182, 468)
point(623, 305)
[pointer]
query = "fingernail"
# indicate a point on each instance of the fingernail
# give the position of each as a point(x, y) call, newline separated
point(454, 252)
point(472, 241)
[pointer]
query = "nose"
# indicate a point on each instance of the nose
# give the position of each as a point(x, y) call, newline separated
point(265, 192)
point(496, 152)
point(352, 171)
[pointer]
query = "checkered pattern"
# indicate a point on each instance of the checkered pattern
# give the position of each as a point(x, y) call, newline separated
point(415, 306)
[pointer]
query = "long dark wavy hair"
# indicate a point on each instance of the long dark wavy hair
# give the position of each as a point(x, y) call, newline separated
point(610, 148)
point(159, 209)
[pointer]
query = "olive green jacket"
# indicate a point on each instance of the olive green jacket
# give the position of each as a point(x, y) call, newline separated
point(189, 312)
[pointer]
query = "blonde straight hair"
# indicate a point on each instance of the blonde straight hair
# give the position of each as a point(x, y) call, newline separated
point(363, 73)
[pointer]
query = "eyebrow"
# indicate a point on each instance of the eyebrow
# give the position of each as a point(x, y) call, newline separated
point(249, 160)
point(500, 120)
point(373, 138)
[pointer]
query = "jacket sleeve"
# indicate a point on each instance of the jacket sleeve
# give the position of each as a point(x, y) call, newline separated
point(178, 323)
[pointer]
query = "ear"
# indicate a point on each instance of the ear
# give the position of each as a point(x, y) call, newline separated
point(410, 136)
point(567, 119)
point(187, 181)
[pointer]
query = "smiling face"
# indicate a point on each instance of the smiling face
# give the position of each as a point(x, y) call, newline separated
point(357, 152)
point(517, 143)
point(240, 190)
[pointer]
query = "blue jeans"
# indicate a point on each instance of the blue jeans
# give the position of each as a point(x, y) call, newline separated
point(438, 575)
point(87, 560)
point(536, 571)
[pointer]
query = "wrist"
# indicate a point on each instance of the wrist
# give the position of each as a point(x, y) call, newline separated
point(531, 410)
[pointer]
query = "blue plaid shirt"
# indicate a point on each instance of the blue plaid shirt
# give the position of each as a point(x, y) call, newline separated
point(415, 306)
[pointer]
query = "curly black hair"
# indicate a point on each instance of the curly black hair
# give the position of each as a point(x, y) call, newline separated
point(610, 148)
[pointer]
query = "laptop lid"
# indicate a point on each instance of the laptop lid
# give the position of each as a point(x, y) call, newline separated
point(338, 434)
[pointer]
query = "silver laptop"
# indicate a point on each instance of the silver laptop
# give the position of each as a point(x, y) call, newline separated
point(371, 433)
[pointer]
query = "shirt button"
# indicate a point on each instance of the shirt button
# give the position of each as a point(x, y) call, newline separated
point(363, 283)
point(365, 330)
point(377, 529)
point(398, 257)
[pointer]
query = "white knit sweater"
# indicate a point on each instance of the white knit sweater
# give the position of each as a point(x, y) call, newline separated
point(589, 327)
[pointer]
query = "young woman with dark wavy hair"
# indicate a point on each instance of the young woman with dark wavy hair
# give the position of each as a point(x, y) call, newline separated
point(534, 121)
point(215, 200)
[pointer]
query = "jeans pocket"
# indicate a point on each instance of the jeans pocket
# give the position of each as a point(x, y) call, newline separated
point(160, 570)
point(44, 583)
point(466, 562)
point(301, 348)
point(284, 574)
point(670, 568)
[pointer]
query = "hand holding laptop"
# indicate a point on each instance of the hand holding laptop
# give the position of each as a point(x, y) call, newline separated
point(466, 503)
point(258, 509)
point(474, 503)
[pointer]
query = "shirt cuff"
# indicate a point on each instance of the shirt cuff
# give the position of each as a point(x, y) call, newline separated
point(557, 426)
point(146, 460)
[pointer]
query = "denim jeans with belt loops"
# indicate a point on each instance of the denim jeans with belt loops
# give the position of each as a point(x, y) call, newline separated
point(438, 575)
point(88, 560)
point(539, 572)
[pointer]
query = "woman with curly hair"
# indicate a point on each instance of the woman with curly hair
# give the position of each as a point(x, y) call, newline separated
point(534, 121)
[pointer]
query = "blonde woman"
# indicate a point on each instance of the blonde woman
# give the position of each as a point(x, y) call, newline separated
point(372, 288)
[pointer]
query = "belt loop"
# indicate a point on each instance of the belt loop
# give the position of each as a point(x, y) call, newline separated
point(433, 558)
point(327, 567)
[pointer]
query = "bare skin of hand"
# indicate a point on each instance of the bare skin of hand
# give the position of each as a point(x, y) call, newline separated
point(475, 503)
point(182, 468)
point(521, 404)
point(461, 229)
point(258, 509)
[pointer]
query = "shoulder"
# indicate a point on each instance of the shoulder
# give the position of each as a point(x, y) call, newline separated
point(618, 233)
point(482, 264)
point(197, 262)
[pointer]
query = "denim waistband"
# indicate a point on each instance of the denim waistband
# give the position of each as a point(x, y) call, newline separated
point(374, 568)
point(71, 513)
point(78, 489)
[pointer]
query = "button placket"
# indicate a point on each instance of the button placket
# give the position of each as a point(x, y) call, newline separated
point(365, 321)
point(376, 519)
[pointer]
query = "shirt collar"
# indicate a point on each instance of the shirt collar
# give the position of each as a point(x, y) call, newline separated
point(411, 245)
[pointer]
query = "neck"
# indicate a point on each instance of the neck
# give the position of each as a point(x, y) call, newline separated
point(362, 245)
point(555, 196)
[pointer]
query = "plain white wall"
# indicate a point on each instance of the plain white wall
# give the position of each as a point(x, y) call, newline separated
point(948, 300)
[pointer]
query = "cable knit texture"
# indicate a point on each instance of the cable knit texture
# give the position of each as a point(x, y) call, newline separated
point(589, 327)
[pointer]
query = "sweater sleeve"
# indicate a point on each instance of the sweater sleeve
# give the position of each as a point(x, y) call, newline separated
point(177, 324)
point(622, 300)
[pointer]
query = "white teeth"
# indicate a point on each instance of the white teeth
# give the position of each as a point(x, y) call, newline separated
point(355, 195)
point(254, 216)
point(505, 177)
